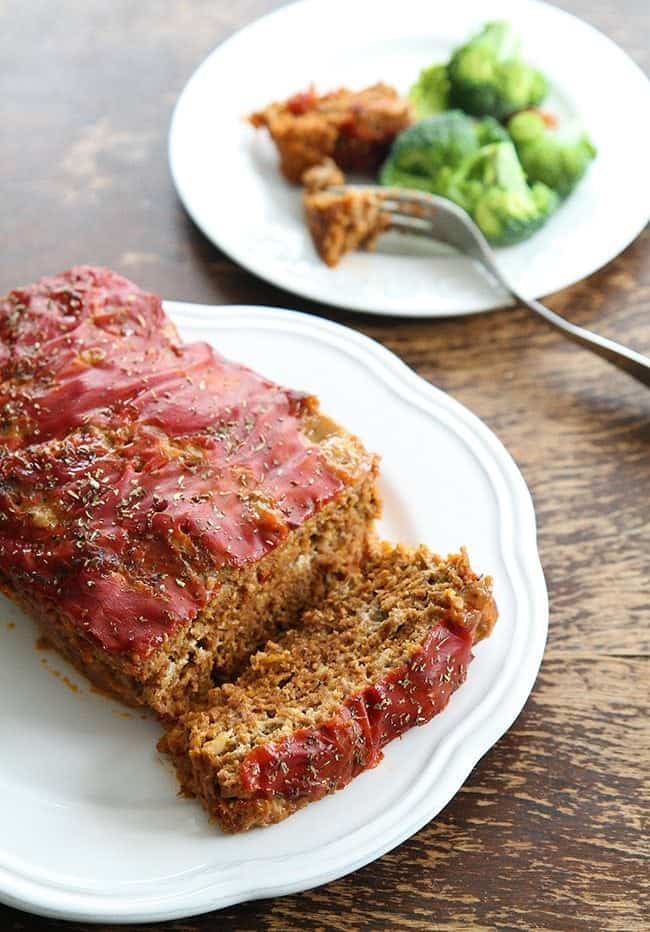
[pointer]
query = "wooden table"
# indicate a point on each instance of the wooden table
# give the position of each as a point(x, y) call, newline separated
point(548, 832)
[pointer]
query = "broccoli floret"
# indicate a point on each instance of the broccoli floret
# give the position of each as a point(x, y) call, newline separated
point(490, 130)
point(488, 78)
point(559, 159)
point(426, 154)
point(474, 163)
point(508, 217)
point(430, 93)
point(491, 186)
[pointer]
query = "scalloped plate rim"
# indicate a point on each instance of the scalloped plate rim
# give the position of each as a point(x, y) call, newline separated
point(215, 893)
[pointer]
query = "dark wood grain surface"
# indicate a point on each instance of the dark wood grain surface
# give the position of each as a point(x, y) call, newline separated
point(550, 832)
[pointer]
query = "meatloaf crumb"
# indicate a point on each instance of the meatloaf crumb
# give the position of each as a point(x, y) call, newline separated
point(326, 174)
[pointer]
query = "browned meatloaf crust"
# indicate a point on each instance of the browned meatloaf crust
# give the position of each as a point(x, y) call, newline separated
point(163, 511)
point(355, 128)
point(315, 707)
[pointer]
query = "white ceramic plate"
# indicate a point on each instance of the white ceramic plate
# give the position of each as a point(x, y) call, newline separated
point(91, 825)
point(227, 177)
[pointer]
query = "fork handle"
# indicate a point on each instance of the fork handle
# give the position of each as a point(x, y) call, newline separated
point(437, 218)
point(635, 364)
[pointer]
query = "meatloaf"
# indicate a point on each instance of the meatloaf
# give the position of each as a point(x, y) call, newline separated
point(163, 510)
point(340, 219)
point(355, 128)
point(384, 652)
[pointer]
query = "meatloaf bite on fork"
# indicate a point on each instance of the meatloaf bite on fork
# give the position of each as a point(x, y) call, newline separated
point(314, 708)
point(340, 221)
point(163, 510)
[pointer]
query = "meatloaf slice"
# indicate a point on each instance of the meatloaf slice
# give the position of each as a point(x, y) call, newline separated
point(163, 510)
point(315, 707)
point(355, 128)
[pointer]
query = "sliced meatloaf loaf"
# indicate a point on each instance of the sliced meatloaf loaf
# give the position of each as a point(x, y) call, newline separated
point(163, 510)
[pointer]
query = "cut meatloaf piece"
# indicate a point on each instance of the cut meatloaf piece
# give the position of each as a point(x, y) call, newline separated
point(355, 128)
point(163, 511)
point(340, 220)
point(314, 708)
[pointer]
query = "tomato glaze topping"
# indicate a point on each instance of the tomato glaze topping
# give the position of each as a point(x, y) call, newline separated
point(315, 761)
point(132, 467)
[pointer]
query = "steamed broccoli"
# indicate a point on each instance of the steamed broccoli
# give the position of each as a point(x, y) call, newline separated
point(488, 78)
point(491, 186)
point(430, 93)
point(427, 154)
point(490, 130)
point(474, 163)
point(559, 159)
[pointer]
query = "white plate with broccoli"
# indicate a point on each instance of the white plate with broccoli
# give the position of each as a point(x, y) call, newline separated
point(560, 189)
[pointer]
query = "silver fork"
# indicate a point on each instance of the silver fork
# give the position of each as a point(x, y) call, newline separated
point(436, 218)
